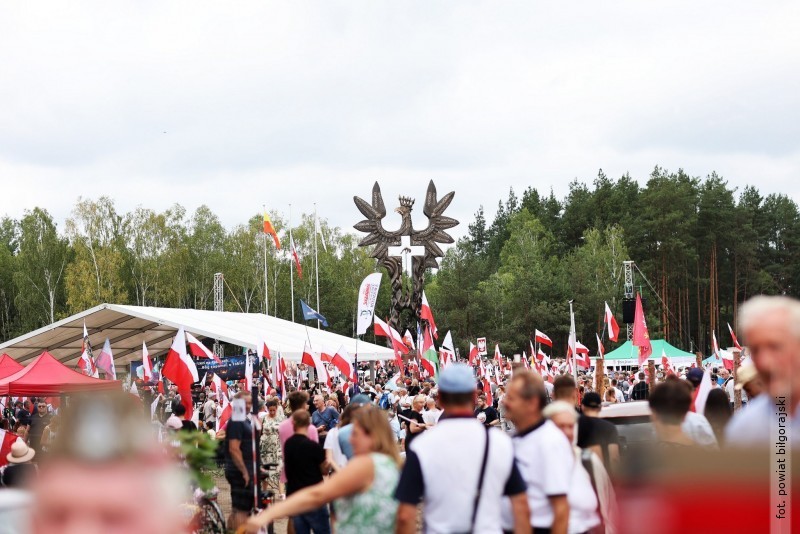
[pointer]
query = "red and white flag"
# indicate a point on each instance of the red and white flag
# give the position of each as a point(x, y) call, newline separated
point(666, 362)
point(498, 357)
point(487, 390)
point(426, 313)
point(343, 362)
point(473, 353)
point(701, 393)
point(219, 386)
point(147, 365)
point(7, 439)
point(611, 324)
point(311, 359)
point(539, 337)
point(408, 339)
point(400, 348)
point(181, 370)
point(105, 361)
point(86, 362)
point(199, 350)
point(581, 354)
point(543, 357)
point(296, 257)
point(733, 338)
point(225, 413)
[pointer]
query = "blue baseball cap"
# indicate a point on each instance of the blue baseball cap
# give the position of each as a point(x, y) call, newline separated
point(457, 378)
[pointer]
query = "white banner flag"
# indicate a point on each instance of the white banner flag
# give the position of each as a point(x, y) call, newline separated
point(367, 295)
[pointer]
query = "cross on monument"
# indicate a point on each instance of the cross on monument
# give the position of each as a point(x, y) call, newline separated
point(406, 251)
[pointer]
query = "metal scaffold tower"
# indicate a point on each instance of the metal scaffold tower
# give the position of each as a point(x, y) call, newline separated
point(219, 282)
point(628, 289)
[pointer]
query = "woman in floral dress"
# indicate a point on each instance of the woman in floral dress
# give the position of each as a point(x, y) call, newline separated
point(270, 445)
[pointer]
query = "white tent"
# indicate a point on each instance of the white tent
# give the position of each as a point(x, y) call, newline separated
point(127, 326)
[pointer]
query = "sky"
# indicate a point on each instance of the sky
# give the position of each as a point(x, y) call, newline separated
point(235, 105)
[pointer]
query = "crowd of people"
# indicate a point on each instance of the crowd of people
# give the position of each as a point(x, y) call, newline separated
point(451, 453)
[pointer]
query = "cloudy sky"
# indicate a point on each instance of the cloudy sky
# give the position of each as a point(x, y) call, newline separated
point(238, 104)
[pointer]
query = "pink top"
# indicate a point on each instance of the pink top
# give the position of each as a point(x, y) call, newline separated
point(286, 430)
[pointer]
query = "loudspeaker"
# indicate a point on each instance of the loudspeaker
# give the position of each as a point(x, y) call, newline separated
point(628, 310)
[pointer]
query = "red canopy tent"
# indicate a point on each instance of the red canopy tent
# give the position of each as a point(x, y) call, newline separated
point(46, 376)
point(9, 366)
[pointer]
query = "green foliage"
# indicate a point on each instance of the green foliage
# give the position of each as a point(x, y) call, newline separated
point(704, 247)
point(198, 450)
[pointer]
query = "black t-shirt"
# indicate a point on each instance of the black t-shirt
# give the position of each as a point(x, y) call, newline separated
point(302, 459)
point(491, 414)
point(23, 416)
point(640, 391)
point(243, 431)
point(595, 431)
point(37, 429)
point(416, 416)
point(188, 425)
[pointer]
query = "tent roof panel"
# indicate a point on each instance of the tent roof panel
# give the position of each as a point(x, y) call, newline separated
point(128, 326)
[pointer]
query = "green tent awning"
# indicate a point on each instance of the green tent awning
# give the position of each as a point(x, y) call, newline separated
point(627, 354)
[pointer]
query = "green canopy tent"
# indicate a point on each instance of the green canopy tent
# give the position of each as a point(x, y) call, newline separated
point(627, 354)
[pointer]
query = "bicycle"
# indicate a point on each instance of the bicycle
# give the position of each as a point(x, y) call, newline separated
point(208, 519)
point(267, 491)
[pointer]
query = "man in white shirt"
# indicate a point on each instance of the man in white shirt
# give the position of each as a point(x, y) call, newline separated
point(543, 453)
point(460, 470)
point(771, 328)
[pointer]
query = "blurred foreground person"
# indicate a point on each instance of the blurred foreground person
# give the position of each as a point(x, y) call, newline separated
point(21, 470)
point(669, 403)
point(543, 454)
point(363, 489)
point(590, 487)
point(106, 474)
point(460, 469)
point(771, 328)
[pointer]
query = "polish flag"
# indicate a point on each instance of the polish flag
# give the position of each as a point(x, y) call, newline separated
point(7, 439)
point(473, 353)
point(543, 357)
point(325, 357)
point(526, 363)
point(543, 339)
point(733, 337)
point(342, 361)
point(601, 351)
point(487, 390)
point(611, 324)
point(666, 363)
point(181, 370)
point(426, 314)
point(147, 365)
point(383, 329)
point(262, 350)
point(105, 361)
point(581, 354)
point(498, 357)
point(296, 257)
point(219, 386)
point(312, 360)
point(701, 394)
point(199, 350)
point(86, 362)
point(225, 415)
point(408, 339)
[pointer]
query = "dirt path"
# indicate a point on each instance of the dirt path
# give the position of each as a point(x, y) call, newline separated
point(224, 500)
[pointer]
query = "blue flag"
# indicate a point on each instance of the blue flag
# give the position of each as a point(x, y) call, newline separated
point(309, 313)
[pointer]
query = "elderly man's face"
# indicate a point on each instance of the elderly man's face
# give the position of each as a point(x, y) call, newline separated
point(775, 350)
point(122, 501)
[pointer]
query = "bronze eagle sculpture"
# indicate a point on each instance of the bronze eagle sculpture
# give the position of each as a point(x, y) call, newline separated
point(429, 238)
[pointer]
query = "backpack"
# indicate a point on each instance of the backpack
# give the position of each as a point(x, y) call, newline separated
point(384, 402)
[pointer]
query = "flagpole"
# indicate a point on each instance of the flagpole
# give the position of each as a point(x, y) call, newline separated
point(266, 277)
point(573, 347)
point(291, 253)
point(316, 260)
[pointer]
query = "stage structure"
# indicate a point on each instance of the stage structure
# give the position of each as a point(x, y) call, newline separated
point(406, 249)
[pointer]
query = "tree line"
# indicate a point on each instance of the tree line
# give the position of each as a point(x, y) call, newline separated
point(701, 247)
